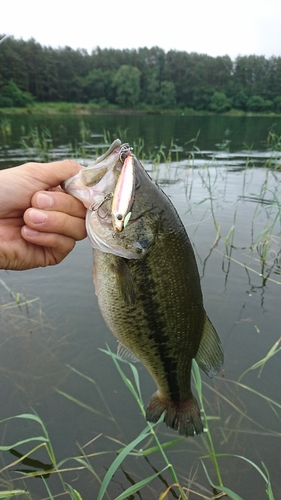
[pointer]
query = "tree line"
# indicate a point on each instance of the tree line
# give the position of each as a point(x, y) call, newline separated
point(137, 78)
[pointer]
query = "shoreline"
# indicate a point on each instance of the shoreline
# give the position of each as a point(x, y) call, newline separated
point(86, 109)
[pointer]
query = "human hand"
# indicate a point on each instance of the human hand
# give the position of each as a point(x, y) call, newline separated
point(39, 222)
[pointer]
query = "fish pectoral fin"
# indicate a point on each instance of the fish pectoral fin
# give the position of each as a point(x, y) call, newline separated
point(210, 353)
point(125, 353)
point(125, 281)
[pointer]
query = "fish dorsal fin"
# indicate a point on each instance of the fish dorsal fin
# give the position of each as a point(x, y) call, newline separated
point(125, 353)
point(210, 354)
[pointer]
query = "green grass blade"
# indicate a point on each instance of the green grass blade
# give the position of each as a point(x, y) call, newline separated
point(198, 384)
point(263, 475)
point(11, 493)
point(155, 449)
point(138, 486)
point(138, 398)
point(48, 489)
point(24, 441)
point(36, 418)
point(257, 393)
point(137, 380)
point(234, 495)
point(261, 363)
point(269, 487)
point(125, 379)
point(80, 403)
point(74, 493)
point(29, 416)
point(229, 492)
point(119, 459)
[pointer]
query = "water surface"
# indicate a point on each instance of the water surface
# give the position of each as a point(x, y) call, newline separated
point(230, 205)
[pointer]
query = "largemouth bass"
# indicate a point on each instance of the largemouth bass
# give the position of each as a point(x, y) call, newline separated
point(147, 282)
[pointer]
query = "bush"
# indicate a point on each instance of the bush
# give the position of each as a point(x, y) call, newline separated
point(6, 102)
point(219, 103)
point(12, 96)
point(277, 104)
point(258, 104)
point(240, 100)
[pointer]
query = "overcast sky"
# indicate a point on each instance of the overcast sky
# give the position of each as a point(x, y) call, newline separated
point(214, 27)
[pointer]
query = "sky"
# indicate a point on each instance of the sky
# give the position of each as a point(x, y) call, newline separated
point(213, 27)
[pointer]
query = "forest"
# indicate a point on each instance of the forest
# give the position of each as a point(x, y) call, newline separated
point(137, 79)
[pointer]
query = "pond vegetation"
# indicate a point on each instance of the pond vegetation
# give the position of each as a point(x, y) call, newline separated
point(225, 402)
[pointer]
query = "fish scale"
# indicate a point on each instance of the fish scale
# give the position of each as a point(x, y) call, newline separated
point(158, 327)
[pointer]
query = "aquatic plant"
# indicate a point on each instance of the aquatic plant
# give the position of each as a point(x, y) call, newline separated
point(5, 127)
point(18, 299)
point(132, 449)
point(38, 144)
point(225, 402)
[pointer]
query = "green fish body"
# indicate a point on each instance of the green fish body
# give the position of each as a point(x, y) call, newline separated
point(152, 302)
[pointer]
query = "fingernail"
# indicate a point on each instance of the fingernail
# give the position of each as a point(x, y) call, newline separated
point(37, 216)
point(44, 200)
point(30, 232)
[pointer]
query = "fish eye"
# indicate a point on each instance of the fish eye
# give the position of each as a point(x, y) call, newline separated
point(119, 217)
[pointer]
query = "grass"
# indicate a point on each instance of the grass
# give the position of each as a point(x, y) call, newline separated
point(147, 438)
point(18, 300)
point(225, 403)
point(45, 108)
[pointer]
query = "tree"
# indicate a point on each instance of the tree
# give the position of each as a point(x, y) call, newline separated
point(127, 84)
point(13, 96)
point(98, 86)
point(167, 95)
point(219, 103)
point(277, 104)
point(252, 75)
point(240, 100)
point(132, 76)
point(257, 104)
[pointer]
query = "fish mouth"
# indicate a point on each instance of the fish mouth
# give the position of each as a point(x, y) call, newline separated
point(109, 190)
point(92, 182)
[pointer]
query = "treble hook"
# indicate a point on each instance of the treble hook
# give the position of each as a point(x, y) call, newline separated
point(124, 150)
point(94, 207)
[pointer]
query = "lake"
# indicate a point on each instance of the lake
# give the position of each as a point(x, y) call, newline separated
point(223, 176)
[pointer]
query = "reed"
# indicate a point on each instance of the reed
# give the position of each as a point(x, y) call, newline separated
point(38, 144)
point(145, 438)
point(5, 126)
point(18, 300)
point(220, 400)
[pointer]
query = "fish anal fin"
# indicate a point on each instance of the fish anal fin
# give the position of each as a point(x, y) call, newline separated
point(183, 417)
point(210, 353)
point(124, 353)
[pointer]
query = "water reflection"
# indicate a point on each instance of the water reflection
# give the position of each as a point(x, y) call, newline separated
point(50, 359)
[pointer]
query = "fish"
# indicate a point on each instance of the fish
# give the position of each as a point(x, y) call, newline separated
point(147, 283)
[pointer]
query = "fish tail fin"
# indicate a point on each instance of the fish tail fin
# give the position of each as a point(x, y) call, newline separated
point(183, 417)
point(210, 353)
